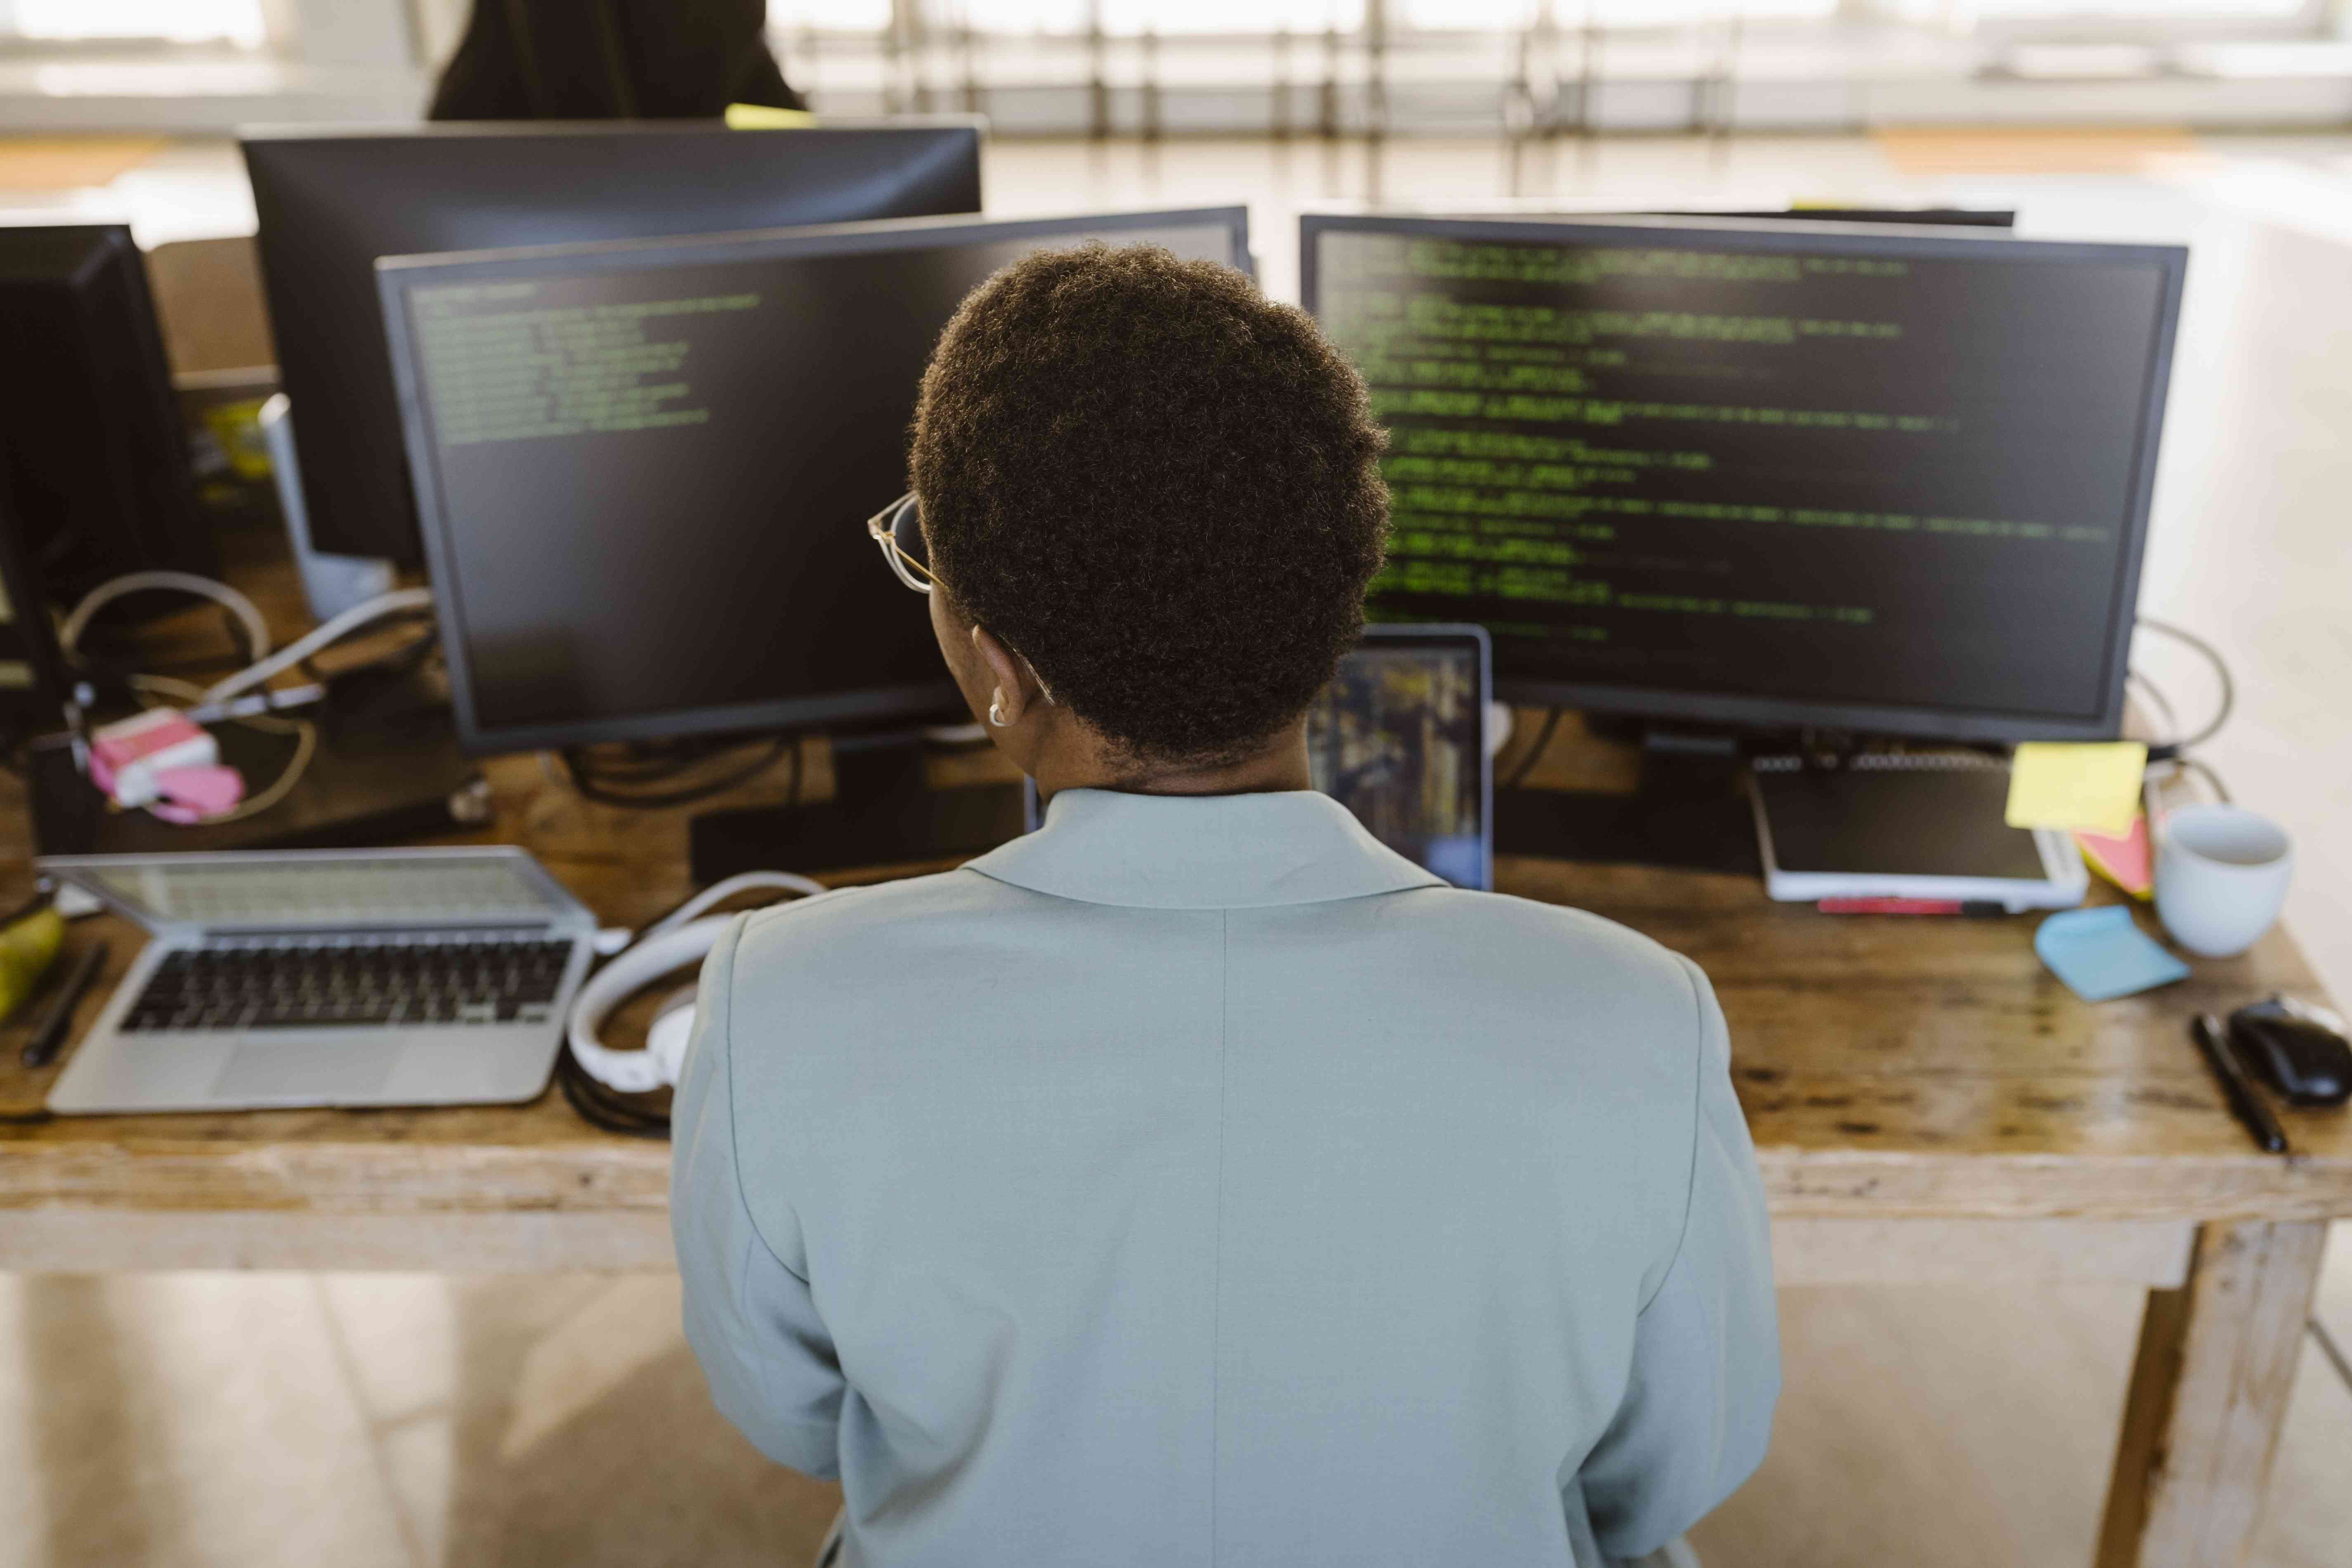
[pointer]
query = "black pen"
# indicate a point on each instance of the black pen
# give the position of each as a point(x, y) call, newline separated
point(49, 1033)
point(2244, 1104)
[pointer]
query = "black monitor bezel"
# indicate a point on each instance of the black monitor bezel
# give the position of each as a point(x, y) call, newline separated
point(394, 275)
point(151, 517)
point(274, 155)
point(42, 701)
point(1954, 723)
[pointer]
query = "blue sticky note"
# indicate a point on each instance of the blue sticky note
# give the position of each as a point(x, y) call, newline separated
point(2101, 954)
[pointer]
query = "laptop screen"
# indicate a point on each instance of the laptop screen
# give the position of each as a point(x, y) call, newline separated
point(1398, 737)
point(296, 890)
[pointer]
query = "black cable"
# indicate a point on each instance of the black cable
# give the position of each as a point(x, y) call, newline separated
point(1543, 739)
point(82, 657)
point(2212, 780)
point(600, 1105)
point(604, 1108)
point(2169, 750)
point(2155, 696)
point(654, 762)
point(584, 771)
point(44, 893)
point(402, 661)
point(246, 651)
point(1827, 751)
point(650, 763)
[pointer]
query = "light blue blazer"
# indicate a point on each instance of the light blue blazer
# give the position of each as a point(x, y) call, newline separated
point(1197, 1182)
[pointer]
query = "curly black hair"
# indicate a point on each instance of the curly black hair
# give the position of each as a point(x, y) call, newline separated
point(1159, 487)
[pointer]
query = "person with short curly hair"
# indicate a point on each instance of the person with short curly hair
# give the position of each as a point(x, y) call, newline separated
point(1194, 1181)
point(1161, 489)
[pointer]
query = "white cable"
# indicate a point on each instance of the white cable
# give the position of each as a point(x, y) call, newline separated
point(305, 733)
point(247, 707)
point(78, 622)
point(306, 747)
point(342, 626)
point(189, 697)
point(719, 892)
point(684, 936)
point(636, 1072)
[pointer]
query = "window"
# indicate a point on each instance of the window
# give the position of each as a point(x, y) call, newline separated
point(1259, 16)
point(1509, 15)
point(2155, 13)
point(1030, 18)
point(2139, 10)
point(829, 16)
point(237, 22)
point(1018, 19)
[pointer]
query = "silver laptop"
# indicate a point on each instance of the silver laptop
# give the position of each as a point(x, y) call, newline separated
point(329, 977)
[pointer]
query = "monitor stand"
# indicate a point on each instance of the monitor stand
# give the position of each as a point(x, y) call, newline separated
point(1690, 811)
point(883, 812)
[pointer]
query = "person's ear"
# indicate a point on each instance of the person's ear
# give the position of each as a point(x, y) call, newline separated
point(1011, 699)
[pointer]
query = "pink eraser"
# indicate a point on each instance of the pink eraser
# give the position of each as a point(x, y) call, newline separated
point(127, 757)
point(144, 735)
point(201, 792)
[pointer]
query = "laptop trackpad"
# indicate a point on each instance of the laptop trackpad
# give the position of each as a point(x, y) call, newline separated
point(304, 1075)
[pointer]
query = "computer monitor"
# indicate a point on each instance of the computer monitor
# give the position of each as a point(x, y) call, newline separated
point(1926, 217)
point(645, 467)
point(331, 201)
point(1907, 218)
point(1768, 475)
point(93, 457)
point(34, 679)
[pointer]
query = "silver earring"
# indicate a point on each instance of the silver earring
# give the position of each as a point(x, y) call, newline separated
point(996, 712)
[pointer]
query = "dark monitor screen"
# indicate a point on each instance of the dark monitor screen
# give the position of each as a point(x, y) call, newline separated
point(645, 469)
point(1766, 474)
point(331, 202)
point(93, 456)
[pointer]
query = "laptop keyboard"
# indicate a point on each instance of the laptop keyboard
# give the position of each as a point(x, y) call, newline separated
point(329, 985)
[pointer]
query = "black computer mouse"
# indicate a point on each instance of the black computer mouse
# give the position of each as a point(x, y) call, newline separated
point(2294, 1053)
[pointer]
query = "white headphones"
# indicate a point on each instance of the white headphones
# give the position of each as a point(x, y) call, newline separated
point(671, 943)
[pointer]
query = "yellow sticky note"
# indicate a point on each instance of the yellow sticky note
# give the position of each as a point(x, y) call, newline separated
point(2092, 787)
point(760, 117)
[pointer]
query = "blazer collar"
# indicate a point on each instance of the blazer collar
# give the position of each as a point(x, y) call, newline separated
point(1202, 852)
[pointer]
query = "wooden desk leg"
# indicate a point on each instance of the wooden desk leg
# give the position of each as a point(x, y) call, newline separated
point(2207, 1393)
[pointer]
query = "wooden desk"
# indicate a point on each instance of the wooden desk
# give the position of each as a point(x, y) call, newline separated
point(1928, 1103)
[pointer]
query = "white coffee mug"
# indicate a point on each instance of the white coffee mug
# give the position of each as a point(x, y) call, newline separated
point(2221, 873)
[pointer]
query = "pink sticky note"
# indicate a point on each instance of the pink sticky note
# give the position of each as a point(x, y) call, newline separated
point(2126, 861)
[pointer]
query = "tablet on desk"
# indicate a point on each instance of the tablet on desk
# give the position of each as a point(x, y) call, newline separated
point(1909, 828)
point(1398, 737)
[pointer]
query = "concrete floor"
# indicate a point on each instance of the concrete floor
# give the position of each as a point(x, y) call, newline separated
point(254, 1421)
point(290, 1419)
